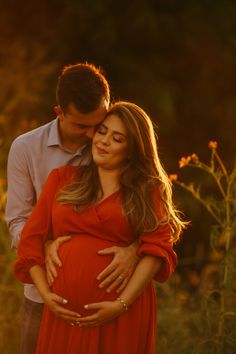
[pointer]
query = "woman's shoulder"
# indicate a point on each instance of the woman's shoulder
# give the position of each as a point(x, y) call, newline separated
point(63, 174)
point(67, 172)
point(155, 190)
point(158, 198)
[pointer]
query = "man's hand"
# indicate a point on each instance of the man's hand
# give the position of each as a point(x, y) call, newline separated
point(105, 312)
point(55, 303)
point(117, 274)
point(52, 261)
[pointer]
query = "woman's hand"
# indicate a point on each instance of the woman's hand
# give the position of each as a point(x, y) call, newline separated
point(55, 304)
point(106, 311)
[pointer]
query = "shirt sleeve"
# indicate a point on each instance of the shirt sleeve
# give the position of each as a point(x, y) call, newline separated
point(36, 231)
point(21, 193)
point(158, 243)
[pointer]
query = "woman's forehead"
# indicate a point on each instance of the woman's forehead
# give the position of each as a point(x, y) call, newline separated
point(114, 123)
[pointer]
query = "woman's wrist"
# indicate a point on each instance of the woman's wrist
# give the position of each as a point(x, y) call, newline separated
point(123, 303)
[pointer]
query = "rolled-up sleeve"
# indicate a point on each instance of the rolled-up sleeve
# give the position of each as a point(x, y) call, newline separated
point(37, 230)
point(158, 243)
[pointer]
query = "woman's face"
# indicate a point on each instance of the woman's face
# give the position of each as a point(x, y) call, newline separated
point(110, 147)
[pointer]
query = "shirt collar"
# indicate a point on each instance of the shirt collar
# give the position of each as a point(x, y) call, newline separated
point(55, 140)
point(54, 137)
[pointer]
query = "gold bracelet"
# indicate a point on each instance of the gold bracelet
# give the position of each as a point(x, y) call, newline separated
point(123, 303)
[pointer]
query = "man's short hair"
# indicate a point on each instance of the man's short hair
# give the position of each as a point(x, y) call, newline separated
point(83, 85)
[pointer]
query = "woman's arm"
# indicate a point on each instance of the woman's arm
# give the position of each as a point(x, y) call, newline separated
point(36, 231)
point(144, 273)
point(147, 267)
point(52, 300)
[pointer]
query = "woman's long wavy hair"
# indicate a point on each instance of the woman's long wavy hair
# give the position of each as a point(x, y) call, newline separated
point(142, 173)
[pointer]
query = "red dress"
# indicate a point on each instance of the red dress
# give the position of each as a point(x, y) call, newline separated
point(98, 227)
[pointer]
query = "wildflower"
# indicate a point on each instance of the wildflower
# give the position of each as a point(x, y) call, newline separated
point(173, 177)
point(194, 158)
point(184, 161)
point(212, 145)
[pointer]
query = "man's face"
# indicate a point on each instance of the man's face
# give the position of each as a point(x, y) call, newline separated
point(76, 128)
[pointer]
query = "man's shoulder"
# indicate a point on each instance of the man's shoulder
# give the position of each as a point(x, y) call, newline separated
point(33, 136)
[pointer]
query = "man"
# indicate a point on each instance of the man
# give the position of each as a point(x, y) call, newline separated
point(83, 99)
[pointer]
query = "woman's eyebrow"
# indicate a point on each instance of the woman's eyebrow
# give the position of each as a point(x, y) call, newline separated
point(113, 131)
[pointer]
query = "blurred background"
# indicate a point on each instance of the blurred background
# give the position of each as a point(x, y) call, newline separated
point(174, 58)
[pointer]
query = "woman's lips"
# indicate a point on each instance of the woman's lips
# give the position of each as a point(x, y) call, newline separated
point(101, 151)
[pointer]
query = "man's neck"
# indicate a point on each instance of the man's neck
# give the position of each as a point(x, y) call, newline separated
point(72, 147)
point(68, 144)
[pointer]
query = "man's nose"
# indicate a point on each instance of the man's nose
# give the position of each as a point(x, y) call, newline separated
point(90, 132)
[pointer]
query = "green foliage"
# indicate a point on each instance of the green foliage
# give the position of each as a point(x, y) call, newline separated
point(214, 308)
point(10, 290)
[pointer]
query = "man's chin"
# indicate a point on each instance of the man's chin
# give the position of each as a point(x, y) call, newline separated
point(84, 140)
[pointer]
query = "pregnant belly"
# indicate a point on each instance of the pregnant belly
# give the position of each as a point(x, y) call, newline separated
point(77, 278)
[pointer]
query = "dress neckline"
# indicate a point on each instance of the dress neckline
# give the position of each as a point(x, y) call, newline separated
point(106, 198)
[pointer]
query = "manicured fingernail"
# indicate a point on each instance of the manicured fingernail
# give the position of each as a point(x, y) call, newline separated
point(65, 301)
point(98, 278)
point(86, 306)
point(100, 286)
point(108, 290)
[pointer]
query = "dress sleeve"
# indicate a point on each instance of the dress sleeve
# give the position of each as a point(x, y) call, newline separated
point(158, 243)
point(36, 231)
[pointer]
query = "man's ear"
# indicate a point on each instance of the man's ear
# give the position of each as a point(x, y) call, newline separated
point(59, 112)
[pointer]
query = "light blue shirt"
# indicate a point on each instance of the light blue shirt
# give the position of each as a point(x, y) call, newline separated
point(31, 158)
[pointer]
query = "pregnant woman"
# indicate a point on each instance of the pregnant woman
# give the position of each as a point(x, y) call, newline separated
point(122, 196)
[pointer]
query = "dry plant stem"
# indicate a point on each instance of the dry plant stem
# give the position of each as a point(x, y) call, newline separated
point(226, 265)
point(227, 243)
point(214, 153)
point(225, 223)
point(196, 195)
point(211, 171)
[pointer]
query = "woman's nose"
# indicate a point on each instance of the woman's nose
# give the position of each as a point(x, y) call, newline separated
point(105, 139)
